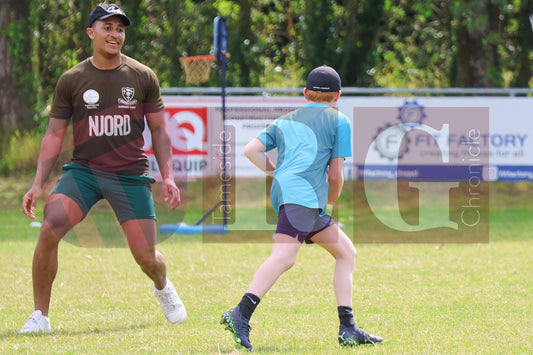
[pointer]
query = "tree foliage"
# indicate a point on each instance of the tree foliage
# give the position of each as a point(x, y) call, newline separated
point(275, 43)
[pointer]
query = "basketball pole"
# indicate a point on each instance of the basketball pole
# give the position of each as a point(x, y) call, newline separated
point(220, 42)
point(224, 185)
point(221, 53)
point(221, 56)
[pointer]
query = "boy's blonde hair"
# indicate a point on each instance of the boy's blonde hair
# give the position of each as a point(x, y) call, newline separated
point(319, 96)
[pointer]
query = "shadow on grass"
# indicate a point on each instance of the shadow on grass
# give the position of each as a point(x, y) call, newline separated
point(68, 333)
point(260, 350)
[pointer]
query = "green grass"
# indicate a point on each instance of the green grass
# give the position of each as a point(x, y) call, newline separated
point(422, 298)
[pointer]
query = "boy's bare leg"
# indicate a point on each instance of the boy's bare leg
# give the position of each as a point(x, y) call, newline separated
point(281, 259)
point(337, 243)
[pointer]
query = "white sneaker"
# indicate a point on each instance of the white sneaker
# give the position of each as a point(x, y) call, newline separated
point(36, 323)
point(171, 303)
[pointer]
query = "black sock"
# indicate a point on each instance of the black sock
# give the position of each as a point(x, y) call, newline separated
point(346, 316)
point(247, 305)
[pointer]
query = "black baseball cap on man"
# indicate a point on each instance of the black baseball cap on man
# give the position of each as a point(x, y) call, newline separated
point(323, 79)
point(104, 11)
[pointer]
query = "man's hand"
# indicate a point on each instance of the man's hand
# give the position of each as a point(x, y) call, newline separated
point(50, 149)
point(170, 190)
point(29, 201)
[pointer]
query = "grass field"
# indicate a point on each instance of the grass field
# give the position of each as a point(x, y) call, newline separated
point(422, 298)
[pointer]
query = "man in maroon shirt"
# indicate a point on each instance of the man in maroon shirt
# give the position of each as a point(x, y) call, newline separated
point(108, 97)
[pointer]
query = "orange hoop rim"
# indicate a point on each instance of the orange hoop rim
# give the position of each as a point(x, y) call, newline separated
point(199, 57)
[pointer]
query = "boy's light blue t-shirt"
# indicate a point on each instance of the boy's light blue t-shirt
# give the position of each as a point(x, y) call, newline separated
point(306, 139)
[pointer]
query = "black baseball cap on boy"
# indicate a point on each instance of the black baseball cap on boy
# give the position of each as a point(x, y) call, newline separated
point(323, 79)
point(104, 11)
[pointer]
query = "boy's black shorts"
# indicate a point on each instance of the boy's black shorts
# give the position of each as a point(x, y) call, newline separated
point(301, 222)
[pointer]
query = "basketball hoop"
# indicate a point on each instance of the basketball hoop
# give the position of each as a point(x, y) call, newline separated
point(197, 68)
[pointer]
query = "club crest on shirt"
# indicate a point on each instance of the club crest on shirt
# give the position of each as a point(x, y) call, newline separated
point(127, 96)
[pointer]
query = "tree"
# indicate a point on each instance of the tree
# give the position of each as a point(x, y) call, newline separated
point(242, 41)
point(360, 28)
point(15, 49)
point(414, 45)
point(525, 43)
point(472, 29)
point(389, 43)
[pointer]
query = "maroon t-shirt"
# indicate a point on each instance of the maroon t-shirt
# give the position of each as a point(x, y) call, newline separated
point(107, 108)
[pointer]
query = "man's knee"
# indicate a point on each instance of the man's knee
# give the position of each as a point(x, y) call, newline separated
point(145, 258)
point(61, 214)
point(48, 240)
point(54, 228)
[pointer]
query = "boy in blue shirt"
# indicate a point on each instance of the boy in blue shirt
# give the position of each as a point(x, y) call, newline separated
point(312, 144)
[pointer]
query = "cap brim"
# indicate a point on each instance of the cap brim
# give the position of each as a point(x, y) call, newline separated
point(125, 20)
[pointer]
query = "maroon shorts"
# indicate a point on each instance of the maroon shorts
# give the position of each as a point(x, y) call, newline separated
point(301, 222)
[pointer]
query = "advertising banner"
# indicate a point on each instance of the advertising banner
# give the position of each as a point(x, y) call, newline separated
point(195, 121)
point(509, 138)
point(421, 166)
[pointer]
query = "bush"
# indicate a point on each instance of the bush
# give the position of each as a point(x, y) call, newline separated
point(20, 153)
